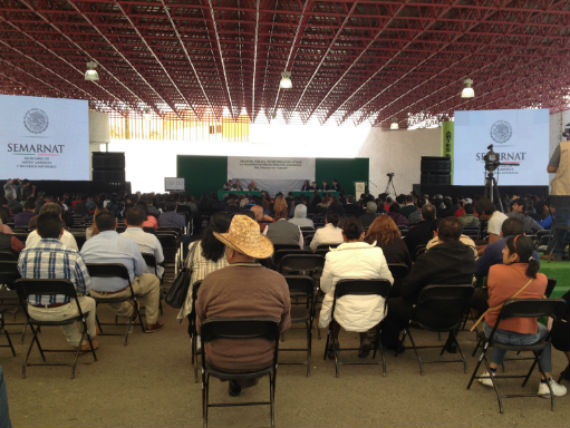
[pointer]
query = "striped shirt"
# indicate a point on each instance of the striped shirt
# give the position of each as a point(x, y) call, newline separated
point(50, 259)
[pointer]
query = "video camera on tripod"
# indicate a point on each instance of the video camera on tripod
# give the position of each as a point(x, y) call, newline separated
point(492, 162)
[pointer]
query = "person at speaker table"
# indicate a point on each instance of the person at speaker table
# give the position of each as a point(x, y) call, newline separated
point(336, 186)
point(252, 186)
point(66, 238)
point(324, 186)
point(353, 259)
point(229, 185)
point(110, 247)
point(49, 259)
point(306, 187)
point(504, 280)
point(244, 289)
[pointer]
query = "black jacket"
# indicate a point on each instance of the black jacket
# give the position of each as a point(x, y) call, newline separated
point(446, 263)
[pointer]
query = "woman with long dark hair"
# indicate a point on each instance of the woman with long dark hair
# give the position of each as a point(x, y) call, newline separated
point(205, 256)
point(519, 271)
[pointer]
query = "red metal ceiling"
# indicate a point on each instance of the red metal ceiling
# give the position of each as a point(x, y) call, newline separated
point(349, 60)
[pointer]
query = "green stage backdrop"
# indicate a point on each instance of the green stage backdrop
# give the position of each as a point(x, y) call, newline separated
point(207, 174)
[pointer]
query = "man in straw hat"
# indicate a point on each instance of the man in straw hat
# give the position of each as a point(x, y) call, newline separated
point(243, 289)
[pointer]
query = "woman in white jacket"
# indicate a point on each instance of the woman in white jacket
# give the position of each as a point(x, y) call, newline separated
point(354, 259)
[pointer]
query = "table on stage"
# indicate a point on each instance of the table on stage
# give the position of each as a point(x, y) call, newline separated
point(319, 192)
point(223, 193)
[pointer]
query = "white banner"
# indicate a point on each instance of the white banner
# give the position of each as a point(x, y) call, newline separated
point(44, 138)
point(272, 174)
point(271, 168)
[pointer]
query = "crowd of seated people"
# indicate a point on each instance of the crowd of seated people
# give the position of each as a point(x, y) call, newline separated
point(427, 234)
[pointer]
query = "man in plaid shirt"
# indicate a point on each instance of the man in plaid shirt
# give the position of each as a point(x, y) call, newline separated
point(50, 259)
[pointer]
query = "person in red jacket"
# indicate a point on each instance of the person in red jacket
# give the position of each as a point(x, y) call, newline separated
point(504, 280)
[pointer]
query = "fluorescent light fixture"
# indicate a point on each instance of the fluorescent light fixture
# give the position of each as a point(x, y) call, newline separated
point(91, 73)
point(285, 82)
point(394, 125)
point(468, 91)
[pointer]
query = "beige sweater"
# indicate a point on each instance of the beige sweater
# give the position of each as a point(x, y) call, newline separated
point(238, 291)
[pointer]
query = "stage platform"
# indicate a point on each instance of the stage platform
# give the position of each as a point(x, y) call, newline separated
point(475, 191)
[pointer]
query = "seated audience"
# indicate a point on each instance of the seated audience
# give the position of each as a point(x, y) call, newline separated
point(463, 239)
point(486, 211)
point(450, 262)
point(300, 217)
point(50, 258)
point(422, 232)
point(9, 242)
point(147, 242)
point(282, 232)
point(171, 218)
point(205, 256)
point(67, 239)
point(23, 218)
point(384, 233)
point(368, 217)
point(151, 221)
point(110, 247)
point(398, 218)
point(519, 269)
point(353, 259)
point(330, 233)
point(468, 219)
point(517, 211)
point(243, 289)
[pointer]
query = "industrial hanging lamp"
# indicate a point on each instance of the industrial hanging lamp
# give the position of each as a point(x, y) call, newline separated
point(91, 73)
point(285, 82)
point(468, 91)
point(394, 124)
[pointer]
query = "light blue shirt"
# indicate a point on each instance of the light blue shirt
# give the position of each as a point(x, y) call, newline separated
point(110, 247)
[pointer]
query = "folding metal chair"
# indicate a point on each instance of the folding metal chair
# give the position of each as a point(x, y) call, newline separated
point(238, 330)
point(358, 287)
point(520, 308)
point(50, 287)
point(8, 297)
point(301, 290)
point(192, 329)
point(116, 270)
point(441, 308)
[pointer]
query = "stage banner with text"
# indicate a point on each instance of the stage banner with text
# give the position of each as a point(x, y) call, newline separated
point(44, 138)
point(272, 174)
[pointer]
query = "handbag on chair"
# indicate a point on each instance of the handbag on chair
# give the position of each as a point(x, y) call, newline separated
point(177, 292)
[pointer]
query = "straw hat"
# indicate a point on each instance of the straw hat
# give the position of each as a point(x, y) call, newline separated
point(244, 237)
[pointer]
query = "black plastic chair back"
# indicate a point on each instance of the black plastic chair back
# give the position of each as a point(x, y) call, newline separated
point(550, 286)
point(442, 307)
point(532, 308)
point(45, 287)
point(301, 284)
point(240, 329)
point(279, 253)
point(360, 287)
point(399, 270)
point(8, 255)
point(108, 270)
point(9, 272)
point(306, 264)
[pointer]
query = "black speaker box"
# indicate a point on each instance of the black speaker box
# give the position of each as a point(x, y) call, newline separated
point(435, 178)
point(105, 160)
point(109, 175)
point(436, 164)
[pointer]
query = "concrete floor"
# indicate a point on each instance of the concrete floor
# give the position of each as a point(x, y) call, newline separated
point(149, 383)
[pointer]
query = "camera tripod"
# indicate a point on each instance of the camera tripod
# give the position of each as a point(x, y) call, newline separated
point(492, 190)
point(390, 181)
